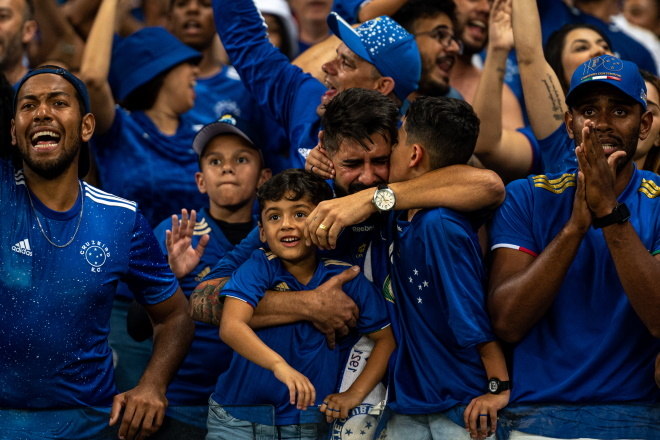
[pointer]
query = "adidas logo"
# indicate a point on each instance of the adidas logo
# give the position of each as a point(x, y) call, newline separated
point(22, 247)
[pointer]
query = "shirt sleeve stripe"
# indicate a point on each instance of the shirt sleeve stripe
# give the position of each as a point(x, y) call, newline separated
point(516, 247)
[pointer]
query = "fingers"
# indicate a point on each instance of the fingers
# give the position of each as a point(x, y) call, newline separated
point(334, 408)
point(117, 405)
point(201, 245)
point(318, 163)
point(330, 338)
point(347, 275)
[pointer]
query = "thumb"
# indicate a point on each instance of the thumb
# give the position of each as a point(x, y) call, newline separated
point(614, 159)
point(348, 275)
point(117, 405)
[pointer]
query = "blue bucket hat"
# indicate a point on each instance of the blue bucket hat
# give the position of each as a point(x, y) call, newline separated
point(227, 124)
point(624, 75)
point(143, 55)
point(385, 44)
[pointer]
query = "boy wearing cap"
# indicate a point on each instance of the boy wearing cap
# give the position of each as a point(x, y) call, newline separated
point(231, 170)
point(576, 264)
point(279, 371)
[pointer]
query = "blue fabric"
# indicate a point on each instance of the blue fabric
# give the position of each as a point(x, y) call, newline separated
point(224, 93)
point(136, 161)
point(56, 302)
point(348, 9)
point(440, 304)
point(590, 346)
point(237, 256)
point(614, 421)
point(300, 344)
point(208, 356)
point(557, 152)
point(284, 90)
point(70, 424)
point(554, 14)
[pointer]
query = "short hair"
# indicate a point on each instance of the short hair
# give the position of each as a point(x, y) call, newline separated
point(555, 46)
point(413, 10)
point(358, 114)
point(294, 184)
point(28, 13)
point(144, 97)
point(447, 128)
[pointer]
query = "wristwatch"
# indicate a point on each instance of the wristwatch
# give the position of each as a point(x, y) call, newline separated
point(620, 214)
point(496, 386)
point(384, 198)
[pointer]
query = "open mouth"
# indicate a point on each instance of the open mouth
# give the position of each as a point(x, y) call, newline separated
point(192, 26)
point(477, 28)
point(45, 139)
point(289, 241)
point(445, 63)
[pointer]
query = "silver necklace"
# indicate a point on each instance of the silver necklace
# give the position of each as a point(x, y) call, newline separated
point(82, 206)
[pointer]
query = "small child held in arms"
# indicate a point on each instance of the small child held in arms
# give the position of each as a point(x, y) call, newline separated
point(277, 372)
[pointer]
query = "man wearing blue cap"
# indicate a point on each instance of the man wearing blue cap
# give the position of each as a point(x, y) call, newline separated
point(378, 55)
point(576, 264)
point(66, 246)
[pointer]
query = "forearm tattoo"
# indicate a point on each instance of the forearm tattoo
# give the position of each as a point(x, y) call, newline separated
point(205, 302)
point(553, 95)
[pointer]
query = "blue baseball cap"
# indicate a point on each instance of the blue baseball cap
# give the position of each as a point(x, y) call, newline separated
point(143, 55)
point(77, 84)
point(624, 75)
point(385, 44)
point(226, 124)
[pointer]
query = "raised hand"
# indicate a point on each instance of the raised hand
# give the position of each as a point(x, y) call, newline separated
point(181, 256)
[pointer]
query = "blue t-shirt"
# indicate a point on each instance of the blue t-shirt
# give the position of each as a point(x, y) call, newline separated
point(558, 152)
point(224, 93)
point(300, 344)
point(590, 346)
point(208, 356)
point(55, 303)
point(288, 94)
point(437, 294)
point(555, 14)
point(138, 162)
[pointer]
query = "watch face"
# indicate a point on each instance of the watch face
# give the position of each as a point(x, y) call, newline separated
point(384, 199)
point(493, 385)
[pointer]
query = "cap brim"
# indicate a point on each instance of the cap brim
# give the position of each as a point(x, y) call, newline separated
point(348, 36)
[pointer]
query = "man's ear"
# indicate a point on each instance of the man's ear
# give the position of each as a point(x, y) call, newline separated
point(87, 127)
point(645, 124)
point(385, 85)
point(568, 122)
point(201, 183)
point(13, 133)
point(29, 31)
point(417, 154)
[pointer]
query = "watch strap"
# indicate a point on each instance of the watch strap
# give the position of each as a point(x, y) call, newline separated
point(620, 214)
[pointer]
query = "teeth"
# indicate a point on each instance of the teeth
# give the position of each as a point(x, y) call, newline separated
point(478, 23)
point(44, 133)
point(607, 146)
point(290, 239)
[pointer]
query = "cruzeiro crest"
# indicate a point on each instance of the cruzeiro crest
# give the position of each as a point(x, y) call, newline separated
point(96, 253)
point(360, 425)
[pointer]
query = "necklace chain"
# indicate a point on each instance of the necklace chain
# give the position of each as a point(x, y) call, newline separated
point(82, 206)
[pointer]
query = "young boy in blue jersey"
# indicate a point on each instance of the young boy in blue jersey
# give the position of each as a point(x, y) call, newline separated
point(249, 394)
point(447, 355)
point(231, 169)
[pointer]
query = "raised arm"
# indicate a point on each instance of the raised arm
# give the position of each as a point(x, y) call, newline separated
point(508, 152)
point(544, 97)
point(376, 8)
point(522, 286)
point(58, 40)
point(95, 65)
point(460, 187)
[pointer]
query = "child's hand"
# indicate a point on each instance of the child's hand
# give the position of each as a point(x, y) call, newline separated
point(480, 416)
point(181, 256)
point(298, 385)
point(337, 406)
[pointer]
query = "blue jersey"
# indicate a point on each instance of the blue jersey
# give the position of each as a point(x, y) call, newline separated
point(300, 344)
point(555, 14)
point(437, 293)
point(284, 90)
point(208, 356)
point(590, 346)
point(558, 152)
point(348, 9)
point(224, 93)
point(55, 303)
point(138, 162)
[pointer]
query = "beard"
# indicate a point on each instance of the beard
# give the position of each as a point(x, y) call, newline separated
point(13, 52)
point(353, 188)
point(52, 169)
point(628, 144)
point(432, 88)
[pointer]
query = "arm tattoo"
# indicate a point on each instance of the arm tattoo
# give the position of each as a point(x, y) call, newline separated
point(553, 95)
point(205, 302)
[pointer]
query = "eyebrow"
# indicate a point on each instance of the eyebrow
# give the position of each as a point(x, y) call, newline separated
point(50, 95)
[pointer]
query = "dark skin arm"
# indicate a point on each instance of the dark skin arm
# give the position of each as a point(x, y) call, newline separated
point(143, 407)
point(330, 310)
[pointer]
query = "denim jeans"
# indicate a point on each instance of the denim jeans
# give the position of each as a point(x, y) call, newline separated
point(425, 427)
point(222, 426)
point(517, 435)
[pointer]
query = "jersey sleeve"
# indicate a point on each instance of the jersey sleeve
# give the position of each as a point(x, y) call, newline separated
point(349, 9)
point(511, 226)
point(237, 256)
point(250, 281)
point(453, 251)
point(149, 276)
point(373, 310)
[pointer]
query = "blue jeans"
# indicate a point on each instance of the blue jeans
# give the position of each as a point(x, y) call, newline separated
point(222, 426)
point(425, 427)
